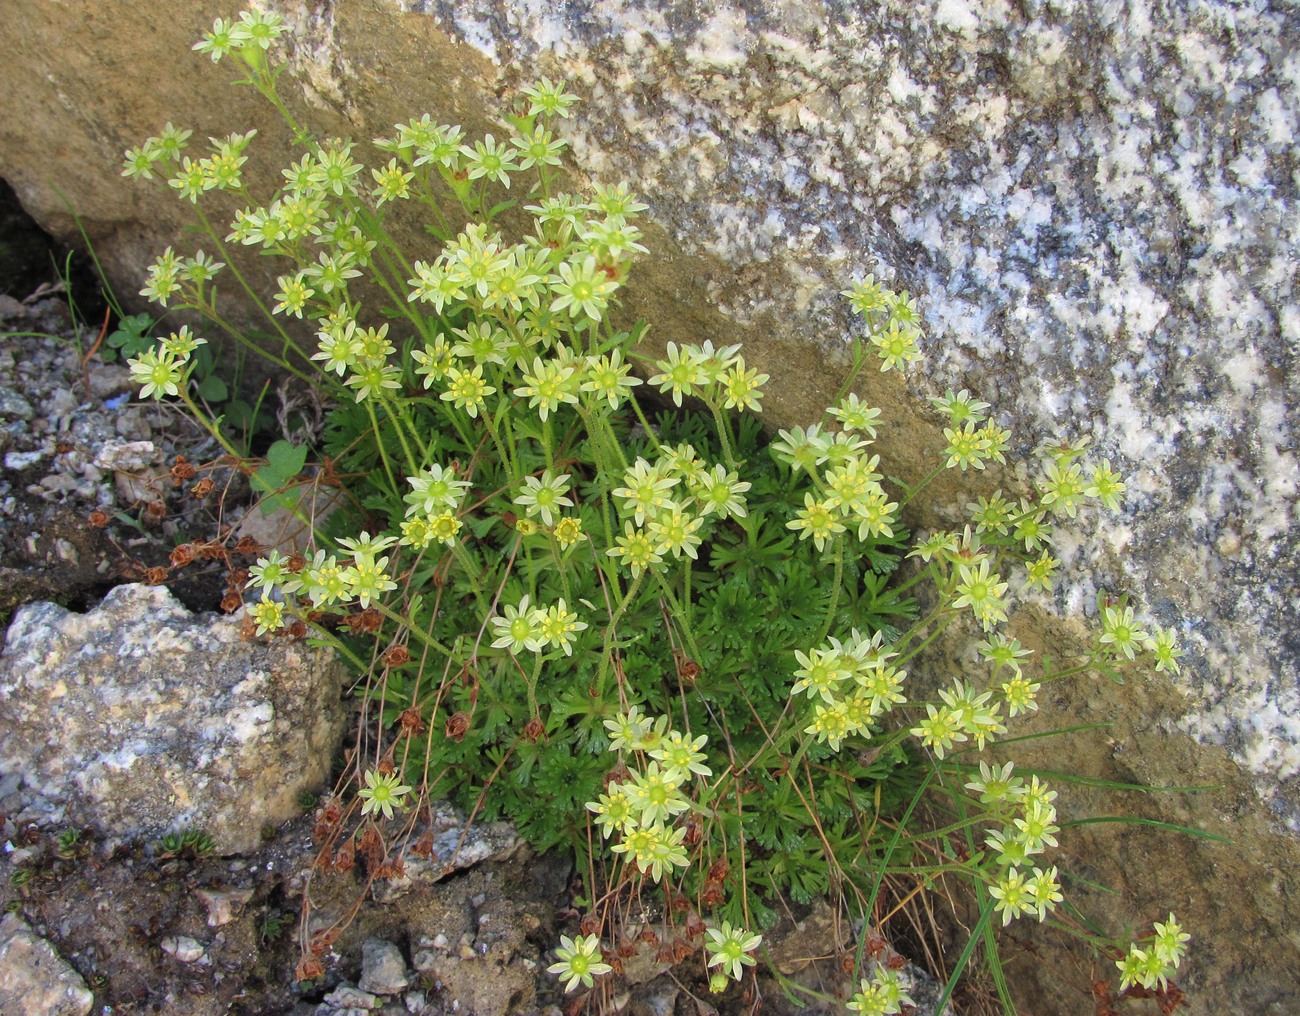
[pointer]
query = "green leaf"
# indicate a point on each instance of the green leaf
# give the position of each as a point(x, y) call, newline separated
point(213, 389)
point(289, 499)
point(132, 335)
point(127, 520)
point(286, 459)
point(283, 463)
point(239, 414)
point(480, 527)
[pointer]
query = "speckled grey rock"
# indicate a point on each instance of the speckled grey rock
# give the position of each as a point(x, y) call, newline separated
point(453, 849)
point(383, 968)
point(346, 998)
point(62, 443)
point(140, 717)
point(34, 980)
point(1096, 205)
point(658, 998)
point(13, 405)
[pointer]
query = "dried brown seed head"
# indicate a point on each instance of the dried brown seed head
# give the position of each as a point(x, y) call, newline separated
point(182, 471)
point(457, 725)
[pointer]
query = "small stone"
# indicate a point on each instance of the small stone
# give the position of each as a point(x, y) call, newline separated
point(424, 960)
point(60, 404)
point(184, 948)
point(108, 379)
point(223, 907)
point(14, 405)
point(134, 468)
point(56, 483)
point(452, 851)
point(347, 997)
point(34, 979)
point(10, 308)
point(818, 934)
point(18, 461)
point(283, 529)
point(383, 968)
point(643, 966)
point(658, 998)
point(128, 455)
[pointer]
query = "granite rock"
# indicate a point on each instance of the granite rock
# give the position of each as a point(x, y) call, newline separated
point(383, 968)
point(346, 998)
point(34, 979)
point(139, 717)
point(1095, 204)
point(452, 848)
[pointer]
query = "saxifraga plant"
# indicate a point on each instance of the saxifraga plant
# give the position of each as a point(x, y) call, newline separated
point(191, 843)
point(650, 634)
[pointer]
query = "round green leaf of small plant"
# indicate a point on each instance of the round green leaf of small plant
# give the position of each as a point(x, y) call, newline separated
point(213, 389)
